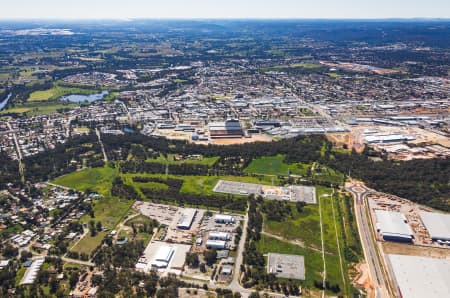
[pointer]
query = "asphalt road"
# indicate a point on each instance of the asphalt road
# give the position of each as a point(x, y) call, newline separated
point(359, 192)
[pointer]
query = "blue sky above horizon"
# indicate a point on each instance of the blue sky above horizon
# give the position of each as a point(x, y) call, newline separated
point(223, 9)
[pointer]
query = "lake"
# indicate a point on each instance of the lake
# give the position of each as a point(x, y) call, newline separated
point(78, 98)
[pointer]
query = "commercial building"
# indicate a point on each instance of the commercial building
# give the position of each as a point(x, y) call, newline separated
point(419, 277)
point(227, 270)
point(186, 218)
point(216, 244)
point(393, 226)
point(394, 138)
point(286, 266)
point(437, 224)
point(223, 218)
point(228, 129)
point(163, 257)
point(219, 236)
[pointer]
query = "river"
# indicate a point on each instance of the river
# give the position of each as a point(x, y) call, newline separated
point(5, 101)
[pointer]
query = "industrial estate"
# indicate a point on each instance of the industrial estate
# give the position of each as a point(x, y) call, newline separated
point(199, 158)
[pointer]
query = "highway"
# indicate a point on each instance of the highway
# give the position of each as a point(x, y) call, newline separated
point(368, 243)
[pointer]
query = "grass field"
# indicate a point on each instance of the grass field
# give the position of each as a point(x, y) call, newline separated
point(18, 110)
point(275, 165)
point(195, 184)
point(109, 211)
point(138, 221)
point(39, 108)
point(97, 179)
point(325, 173)
point(88, 243)
point(56, 92)
point(305, 226)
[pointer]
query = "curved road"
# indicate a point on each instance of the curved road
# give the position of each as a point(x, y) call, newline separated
point(368, 243)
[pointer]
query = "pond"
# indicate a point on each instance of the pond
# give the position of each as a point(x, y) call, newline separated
point(78, 98)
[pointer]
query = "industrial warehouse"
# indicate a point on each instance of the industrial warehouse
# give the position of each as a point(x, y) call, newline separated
point(186, 218)
point(438, 226)
point(392, 226)
point(228, 129)
point(419, 277)
point(163, 256)
point(224, 218)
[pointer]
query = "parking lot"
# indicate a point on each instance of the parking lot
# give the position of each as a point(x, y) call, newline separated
point(237, 188)
point(293, 193)
point(286, 266)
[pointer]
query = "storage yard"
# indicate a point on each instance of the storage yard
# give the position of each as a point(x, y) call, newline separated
point(181, 223)
point(293, 193)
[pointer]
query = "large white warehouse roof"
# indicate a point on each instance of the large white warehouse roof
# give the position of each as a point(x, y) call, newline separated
point(164, 254)
point(419, 277)
point(393, 225)
point(437, 224)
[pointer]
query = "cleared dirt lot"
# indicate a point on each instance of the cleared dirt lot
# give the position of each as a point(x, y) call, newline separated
point(414, 250)
point(254, 138)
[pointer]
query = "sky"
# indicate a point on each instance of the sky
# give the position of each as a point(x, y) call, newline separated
point(210, 9)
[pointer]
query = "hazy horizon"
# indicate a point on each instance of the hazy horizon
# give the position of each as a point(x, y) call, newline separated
point(231, 9)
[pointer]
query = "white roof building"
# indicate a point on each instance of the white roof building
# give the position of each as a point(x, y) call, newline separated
point(419, 277)
point(219, 236)
point(163, 256)
point(393, 226)
point(186, 219)
point(437, 224)
point(222, 218)
point(216, 244)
